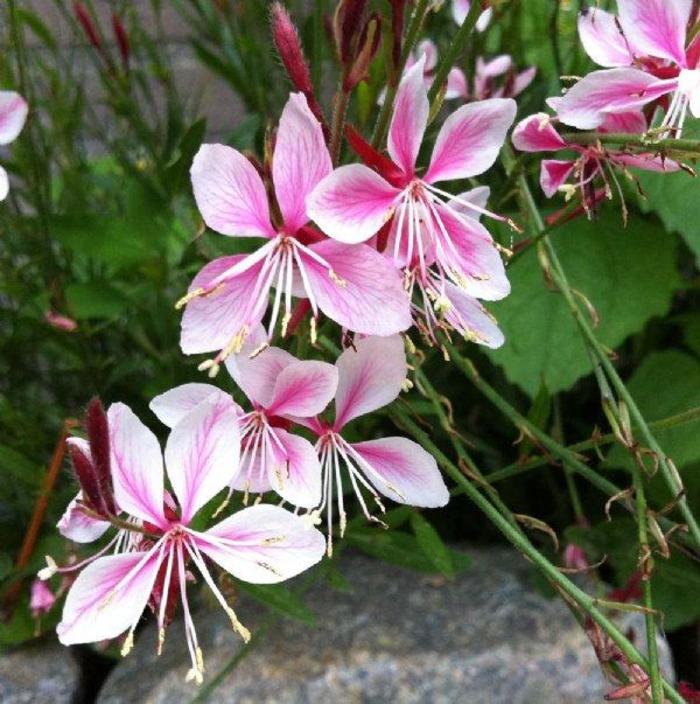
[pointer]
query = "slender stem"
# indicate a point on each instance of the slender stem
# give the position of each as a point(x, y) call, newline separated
point(414, 28)
point(455, 49)
point(666, 467)
point(523, 545)
point(691, 146)
point(340, 111)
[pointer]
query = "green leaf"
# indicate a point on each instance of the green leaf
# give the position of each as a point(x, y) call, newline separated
point(95, 299)
point(431, 544)
point(675, 198)
point(14, 464)
point(281, 599)
point(177, 171)
point(628, 275)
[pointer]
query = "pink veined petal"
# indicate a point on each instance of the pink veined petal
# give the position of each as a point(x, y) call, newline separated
point(303, 388)
point(201, 454)
point(553, 174)
point(173, 405)
point(648, 162)
point(298, 480)
point(263, 544)
point(632, 122)
point(656, 27)
point(479, 196)
point(257, 375)
point(689, 84)
point(470, 139)
point(77, 526)
point(470, 319)
point(495, 67)
point(407, 473)
point(105, 601)
point(614, 90)
point(456, 84)
point(367, 294)
point(523, 80)
point(229, 192)
point(351, 204)
point(477, 257)
point(137, 465)
point(252, 478)
point(209, 322)
point(4, 184)
point(13, 115)
point(428, 49)
point(602, 38)
point(370, 376)
point(410, 118)
point(537, 134)
point(301, 160)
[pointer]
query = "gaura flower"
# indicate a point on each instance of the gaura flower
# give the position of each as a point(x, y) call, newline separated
point(355, 201)
point(460, 10)
point(427, 49)
point(261, 544)
point(13, 115)
point(371, 374)
point(647, 57)
point(354, 286)
point(538, 133)
point(279, 387)
point(497, 78)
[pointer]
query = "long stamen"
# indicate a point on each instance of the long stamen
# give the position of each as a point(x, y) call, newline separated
point(165, 594)
point(196, 672)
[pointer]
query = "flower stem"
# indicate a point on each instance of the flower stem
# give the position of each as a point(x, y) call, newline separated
point(689, 146)
point(340, 111)
point(414, 27)
point(523, 545)
point(455, 49)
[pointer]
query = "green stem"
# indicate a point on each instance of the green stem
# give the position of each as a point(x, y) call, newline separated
point(455, 49)
point(523, 545)
point(690, 146)
point(414, 27)
point(666, 468)
point(340, 111)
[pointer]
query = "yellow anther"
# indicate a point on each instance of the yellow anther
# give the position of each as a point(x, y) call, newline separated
point(194, 293)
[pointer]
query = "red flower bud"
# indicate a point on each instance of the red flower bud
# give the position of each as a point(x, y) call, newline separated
point(347, 24)
point(87, 478)
point(288, 44)
point(367, 49)
point(689, 693)
point(98, 437)
point(122, 40)
point(83, 17)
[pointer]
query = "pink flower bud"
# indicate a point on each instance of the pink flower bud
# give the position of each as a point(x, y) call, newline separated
point(288, 44)
point(575, 557)
point(60, 322)
point(41, 598)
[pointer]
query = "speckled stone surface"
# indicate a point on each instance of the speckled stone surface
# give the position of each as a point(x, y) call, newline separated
point(398, 636)
point(42, 673)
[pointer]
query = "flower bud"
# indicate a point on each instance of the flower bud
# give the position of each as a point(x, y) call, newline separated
point(83, 17)
point(87, 478)
point(367, 49)
point(288, 44)
point(347, 25)
point(98, 436)
point(122, 40)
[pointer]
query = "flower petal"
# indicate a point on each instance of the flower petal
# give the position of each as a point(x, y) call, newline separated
point(632, 122)
point(470, 319)
point(470, 139)
point(173, 405)
point(77, 526)
point(427, 48)
point(209, 322)
point(369, 377)
point(410, 118)
point(404, 472)
point(351, 204)
point(13, 115)
point(201, 454)
point(4, 184)
point(456, 84)
point(229, 192)
point(648, 162)
point(656, 27)
point(263, 544)
point(479, 196)
point(553, 174)
point(298, 480)
point(614, 90)
point(602, 38)
point(460, 10)
point(366, 295)
point(101, 604)
point(303, 388)
point(537, 134)
point(137, 465)
point(522, 80)
point(300, 161)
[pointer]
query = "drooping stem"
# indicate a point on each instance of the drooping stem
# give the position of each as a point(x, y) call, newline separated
point(386, 110)
point(524, 546)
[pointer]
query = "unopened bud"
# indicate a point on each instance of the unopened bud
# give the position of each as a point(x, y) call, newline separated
point(367, 49)
point(288, 44)
point(122, 40)
point(83, 17)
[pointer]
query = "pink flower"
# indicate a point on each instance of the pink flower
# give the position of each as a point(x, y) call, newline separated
point(13, 115)
point(427, 49)
point(41, 599)
point(60, 322)
point(261, 544)
point(460, 10)
point(279, 387)
point(371, 375)
point(537, 133)
point(353, 286)
point(645, 52)
point(496, 78)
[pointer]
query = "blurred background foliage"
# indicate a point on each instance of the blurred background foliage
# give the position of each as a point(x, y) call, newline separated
point(101, 227)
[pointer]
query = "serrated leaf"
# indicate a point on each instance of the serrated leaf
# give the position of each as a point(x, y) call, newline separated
point(629, 276)
point(431, 544)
